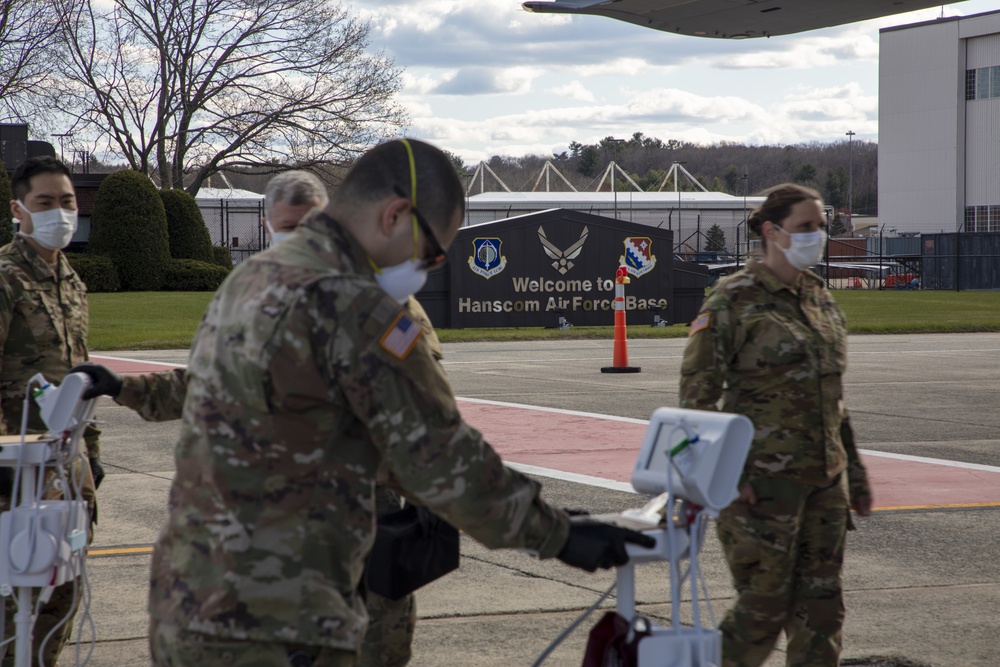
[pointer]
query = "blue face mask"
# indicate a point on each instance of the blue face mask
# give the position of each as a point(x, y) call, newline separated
point(806, 249)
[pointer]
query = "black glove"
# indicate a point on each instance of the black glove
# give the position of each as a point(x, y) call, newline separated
point(97, 470)
point(593, 545)
point(104, 381)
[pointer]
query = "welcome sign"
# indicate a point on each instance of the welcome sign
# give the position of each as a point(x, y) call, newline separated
point(530, 270)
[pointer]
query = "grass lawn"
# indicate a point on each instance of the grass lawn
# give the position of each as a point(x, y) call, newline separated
point(165, 320)
point(145, 320)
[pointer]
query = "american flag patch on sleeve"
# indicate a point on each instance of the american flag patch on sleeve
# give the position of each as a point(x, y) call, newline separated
point(401, 336)
point(700, 322)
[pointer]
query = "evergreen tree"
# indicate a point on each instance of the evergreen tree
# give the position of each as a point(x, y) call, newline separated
point(129, 226)
point(836, 187)
point(805, 174)
point(188, 236)
point(837, 226)
point(715, 239)
point(588, 162)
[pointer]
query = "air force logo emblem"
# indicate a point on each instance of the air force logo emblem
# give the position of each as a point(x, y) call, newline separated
point(638, 258)
point(486, 259)
point(562, 259)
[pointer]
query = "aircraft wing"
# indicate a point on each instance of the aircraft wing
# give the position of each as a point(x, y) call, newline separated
point(732, 19)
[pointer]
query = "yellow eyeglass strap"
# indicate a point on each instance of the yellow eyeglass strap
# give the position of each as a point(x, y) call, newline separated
point(413, 187)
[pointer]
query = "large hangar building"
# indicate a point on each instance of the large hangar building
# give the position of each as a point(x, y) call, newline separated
point(939, 125)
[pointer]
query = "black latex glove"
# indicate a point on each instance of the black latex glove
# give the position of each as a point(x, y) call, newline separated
point(104, 381)
point(97, 470)
point(593, 545)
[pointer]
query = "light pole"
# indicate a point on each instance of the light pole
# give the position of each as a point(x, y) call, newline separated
point(62, 157)
point(850, 177)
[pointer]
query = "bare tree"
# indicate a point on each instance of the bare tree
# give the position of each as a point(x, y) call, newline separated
point(183, 89)
point(27, 28)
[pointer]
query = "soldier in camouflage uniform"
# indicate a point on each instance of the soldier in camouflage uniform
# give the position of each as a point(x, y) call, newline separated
point(771, 343)
point(43, 329)
point(307, 383)
point(159, 396)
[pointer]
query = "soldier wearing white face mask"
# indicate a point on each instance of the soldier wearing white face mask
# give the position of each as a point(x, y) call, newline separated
point(43, 329)
point(289, 196)
point(159, 396)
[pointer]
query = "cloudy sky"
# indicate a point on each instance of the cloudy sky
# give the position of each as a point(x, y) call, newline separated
point(486, 78)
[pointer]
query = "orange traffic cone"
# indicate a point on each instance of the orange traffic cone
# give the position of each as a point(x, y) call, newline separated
point(621, 341)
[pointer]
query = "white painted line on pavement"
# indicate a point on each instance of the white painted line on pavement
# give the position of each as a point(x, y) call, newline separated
point(547, 360)
point(559, 411)
point(866, 452)
point(609, 484)
point(924, 459)
point(140, 361)
point(571, 477)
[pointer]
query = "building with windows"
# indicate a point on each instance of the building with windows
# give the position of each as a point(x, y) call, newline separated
point(939, 125)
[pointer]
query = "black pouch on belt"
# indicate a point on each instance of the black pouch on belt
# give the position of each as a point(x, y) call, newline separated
point(413, 547)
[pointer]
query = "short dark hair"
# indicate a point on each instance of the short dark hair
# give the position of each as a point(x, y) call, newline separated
point(385, 170)
point(778, 205)
point(20, 180)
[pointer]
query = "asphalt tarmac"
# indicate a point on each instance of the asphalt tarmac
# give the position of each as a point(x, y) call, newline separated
point(922, 581)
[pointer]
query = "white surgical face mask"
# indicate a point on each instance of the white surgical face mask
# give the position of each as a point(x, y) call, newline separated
point(806, 249)
point(52, 229)
point(276, 237)
point(403, 280)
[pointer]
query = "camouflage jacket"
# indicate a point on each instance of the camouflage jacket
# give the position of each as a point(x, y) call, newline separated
point(776, 354)
point(43, 329)
point(159, 396)
point(305, 385)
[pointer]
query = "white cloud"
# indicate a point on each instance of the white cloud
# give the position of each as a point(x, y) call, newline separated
point(517, 80)
point(475, 71)
point(573, 90)
point(418, 85)
point(616, 67)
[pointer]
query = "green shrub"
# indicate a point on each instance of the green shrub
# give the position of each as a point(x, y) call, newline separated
point(190, 275)
point(97, 272)
point(186, 230)
point(222, 257)
point(6, 220)
point(129, 226)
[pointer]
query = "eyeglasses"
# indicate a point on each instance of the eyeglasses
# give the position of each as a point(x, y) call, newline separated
point(438, 255)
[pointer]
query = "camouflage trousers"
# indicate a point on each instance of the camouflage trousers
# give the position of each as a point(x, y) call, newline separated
point(390, 622)
point(785, 554)
point(63, 603)
point(171, 646)
point(386, 643)
point(390, 631)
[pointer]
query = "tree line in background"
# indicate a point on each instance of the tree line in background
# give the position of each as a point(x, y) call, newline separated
point(719, 167)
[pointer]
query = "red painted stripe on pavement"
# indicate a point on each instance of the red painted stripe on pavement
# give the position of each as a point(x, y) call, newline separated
point(591, 445)
point(122, 365)
point(606, 447)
